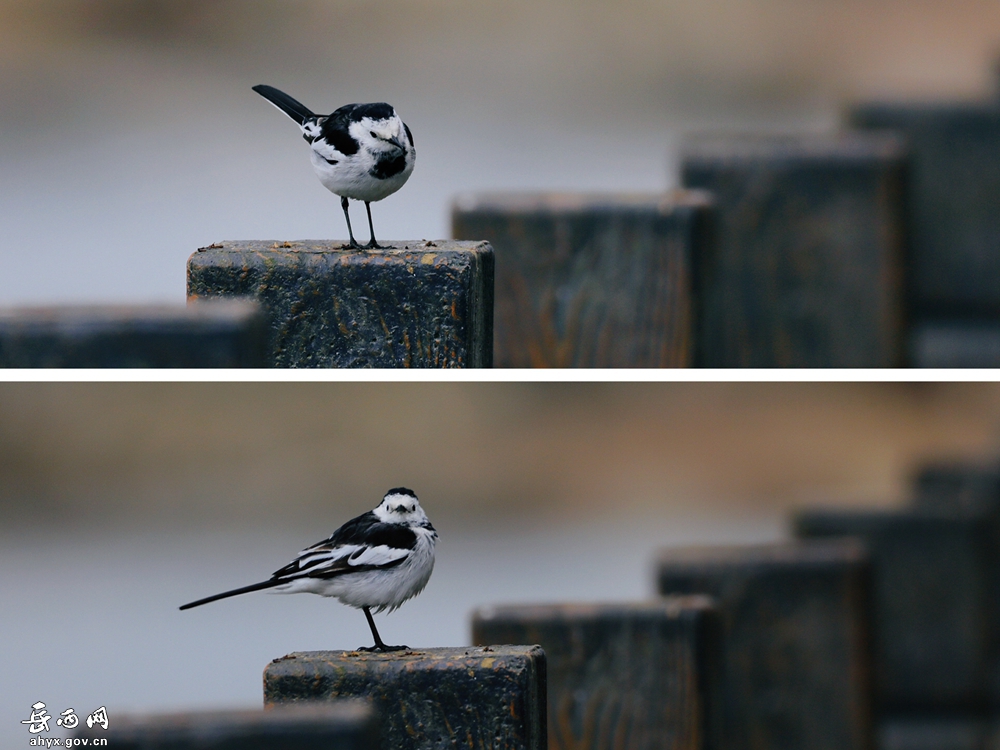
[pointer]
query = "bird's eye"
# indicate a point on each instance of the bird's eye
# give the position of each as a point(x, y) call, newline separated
point(372, 134)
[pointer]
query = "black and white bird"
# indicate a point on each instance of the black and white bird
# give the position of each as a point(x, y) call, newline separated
point(375, 561)
point(362, 152)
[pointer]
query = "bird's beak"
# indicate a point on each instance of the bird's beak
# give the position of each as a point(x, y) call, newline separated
point(397, 143)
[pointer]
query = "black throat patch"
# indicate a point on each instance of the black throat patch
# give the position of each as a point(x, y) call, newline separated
point(389, 166)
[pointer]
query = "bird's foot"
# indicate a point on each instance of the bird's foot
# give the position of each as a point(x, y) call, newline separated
point(352, 245)
point(373, 245)
point(382, 648)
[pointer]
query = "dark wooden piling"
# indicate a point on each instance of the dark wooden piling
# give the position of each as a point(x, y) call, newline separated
point(421, 304)
point(955, 343)
point(954, 199)
point(953, 225)
point(794, 667)
point(212, 334)
point(619, 676)
point(958, 487)
point(476, 698)
point(591, 280)
point(808, 261)
point(344, 725)
point(934, 574)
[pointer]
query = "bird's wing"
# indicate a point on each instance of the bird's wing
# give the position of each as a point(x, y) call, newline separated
point(327, 150)
point(330, 561)
point(363, 543)
point(334, 135)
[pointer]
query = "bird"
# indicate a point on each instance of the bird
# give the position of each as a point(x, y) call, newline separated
point(377, 561)
point(361, 152)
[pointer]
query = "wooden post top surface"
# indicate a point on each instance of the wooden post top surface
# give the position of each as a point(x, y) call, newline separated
point(802, 554)
point(425, 252)
point(844, 147)
point(671, 607)
point(564, 202)
point(440, 658)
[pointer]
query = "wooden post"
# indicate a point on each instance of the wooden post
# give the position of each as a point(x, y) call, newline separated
point(958, 488)
point(934, 622)
point(476, 698)
point(954, 226)
point(591, 280)
point(344, 725)
point(808, 262)
point(422, 304)
point(619, 675)
point(794, 659)
point(213, 334)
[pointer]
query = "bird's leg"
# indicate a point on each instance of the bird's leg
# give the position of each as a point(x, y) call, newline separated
point(371, 229)
point(343, 204)
point(379, 646)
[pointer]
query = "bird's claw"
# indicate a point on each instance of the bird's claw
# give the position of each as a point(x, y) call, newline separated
point(382, 649)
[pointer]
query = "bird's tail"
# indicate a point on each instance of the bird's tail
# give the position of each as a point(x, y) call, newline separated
point(234, 592)
point(291, 107)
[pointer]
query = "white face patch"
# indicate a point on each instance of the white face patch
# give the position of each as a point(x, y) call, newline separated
point(400, 503)
point(404, 509)
point(378, 134)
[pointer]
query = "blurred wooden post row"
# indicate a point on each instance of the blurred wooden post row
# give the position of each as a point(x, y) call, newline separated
point(873, 630)
point(875, 247)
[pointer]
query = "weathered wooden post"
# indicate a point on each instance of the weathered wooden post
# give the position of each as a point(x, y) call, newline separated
point(619, 675)
point(934, 617)
point(954, 226)
point(477, 698)
point(807, 270)
point(794, 666)
point(958, 487)
point(592, 280)
point(421, 304)
point(212, 334)
point(344, 725)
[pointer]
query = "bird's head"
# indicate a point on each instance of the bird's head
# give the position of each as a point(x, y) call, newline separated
point(380, 129)
point(400, 505)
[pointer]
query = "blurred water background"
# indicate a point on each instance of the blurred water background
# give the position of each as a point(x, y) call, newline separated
point(122, 501)
point(129, 135)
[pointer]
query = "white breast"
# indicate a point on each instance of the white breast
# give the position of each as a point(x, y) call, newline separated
point(351, 176)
